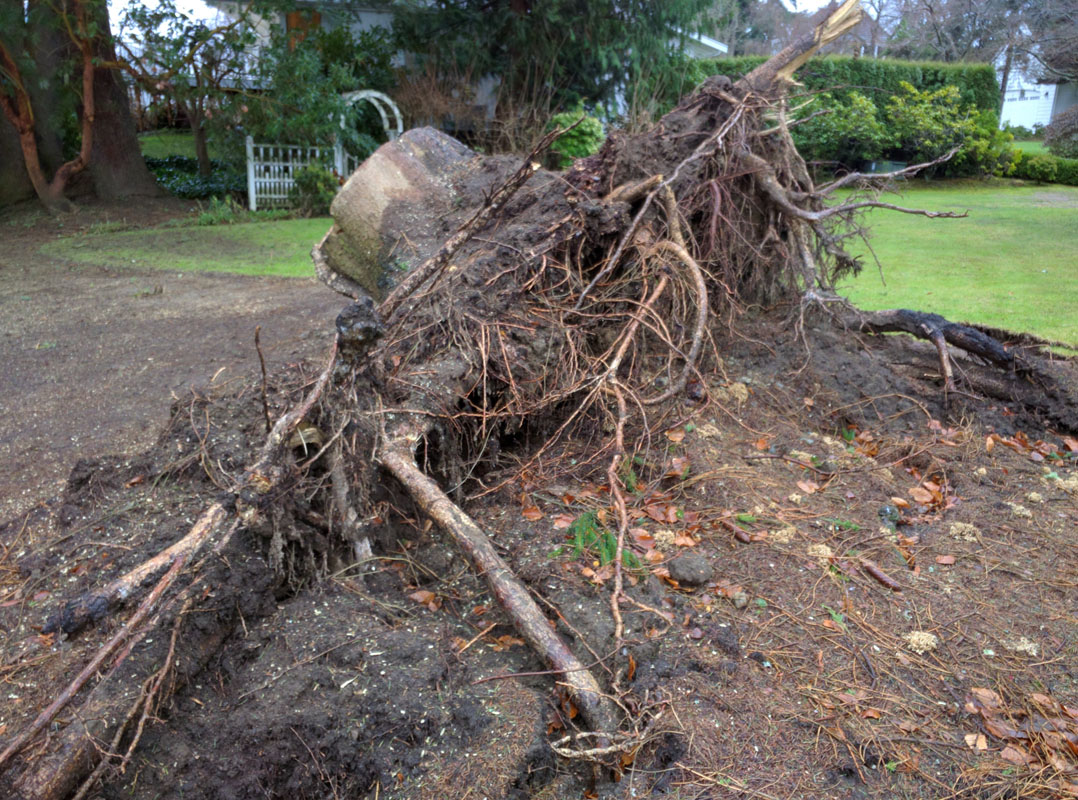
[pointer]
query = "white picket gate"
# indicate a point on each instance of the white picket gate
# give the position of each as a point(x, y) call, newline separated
point(272, 168)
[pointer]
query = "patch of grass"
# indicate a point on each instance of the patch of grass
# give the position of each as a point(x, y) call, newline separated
point(1010, 264)
point(280, 248)
point(1031, 148)
point(169, 142)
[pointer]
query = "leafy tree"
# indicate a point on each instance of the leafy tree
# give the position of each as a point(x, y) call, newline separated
point(53, 72)
point(584, 136)
point(549, 53)
point(302, 84)
point(169, 53)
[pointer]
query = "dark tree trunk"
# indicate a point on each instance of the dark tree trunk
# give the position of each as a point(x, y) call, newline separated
point(198, 127)
point(116, 164)
point(15, 185)
point(54, 59)
point(1005, 75)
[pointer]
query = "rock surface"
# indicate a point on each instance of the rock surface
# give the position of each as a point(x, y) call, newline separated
point(691, 570)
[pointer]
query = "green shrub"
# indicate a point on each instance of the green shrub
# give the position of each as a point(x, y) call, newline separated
point(987, 151)
point(178, 175)
point(1067, 171)
point(1061, 134)
point(925, 125)
point(583, 140)
point(230, 212)
point(848, 134)
point(877, 79)
point(910, 94)
point(915, 126)
point(1041, 168)
point(313, 190)
point(1046, 168)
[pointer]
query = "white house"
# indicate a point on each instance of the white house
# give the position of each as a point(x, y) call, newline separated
point(1031, 104)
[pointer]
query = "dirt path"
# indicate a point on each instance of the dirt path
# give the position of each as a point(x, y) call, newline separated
point(91, 357)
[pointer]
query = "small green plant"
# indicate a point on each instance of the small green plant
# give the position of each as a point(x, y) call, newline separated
point(583, 140)
point(313, 190)
point(220, 212)
point(836, 618)
point(588, 536)
point(629, 477)
point(891, 766)
point(228, 212)
point(843, 525)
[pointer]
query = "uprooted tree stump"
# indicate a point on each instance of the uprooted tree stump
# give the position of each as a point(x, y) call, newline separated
point(493, 299)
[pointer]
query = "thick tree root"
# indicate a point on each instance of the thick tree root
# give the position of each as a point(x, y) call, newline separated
point(942, 332)
point(532, 624)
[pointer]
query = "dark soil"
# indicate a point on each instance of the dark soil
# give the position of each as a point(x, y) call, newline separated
point(92, 357)
point(786, 674)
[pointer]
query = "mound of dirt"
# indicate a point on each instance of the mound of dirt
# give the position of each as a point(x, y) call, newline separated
point(836, 509)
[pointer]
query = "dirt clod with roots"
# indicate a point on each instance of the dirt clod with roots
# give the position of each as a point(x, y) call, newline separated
point(731, 539)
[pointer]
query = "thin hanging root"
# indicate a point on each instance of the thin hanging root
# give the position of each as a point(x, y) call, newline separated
point(699, 329)
point(614, 479)
point(396, 456)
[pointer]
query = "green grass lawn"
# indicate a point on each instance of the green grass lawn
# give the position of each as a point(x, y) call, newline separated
point(282, 247)
point(1031, 148)
point(169, 142)
point(1012, 263)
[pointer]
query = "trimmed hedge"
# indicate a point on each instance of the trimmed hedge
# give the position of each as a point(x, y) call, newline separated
point(1046, 168)
point(877, 79)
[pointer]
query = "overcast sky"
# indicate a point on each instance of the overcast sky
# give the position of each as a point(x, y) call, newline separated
point(805, 5)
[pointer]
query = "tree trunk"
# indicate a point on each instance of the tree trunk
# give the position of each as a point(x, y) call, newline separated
point(116, 164)
point(54, 56)
point(202, 150)
point(15, 185)
point(1005, 76)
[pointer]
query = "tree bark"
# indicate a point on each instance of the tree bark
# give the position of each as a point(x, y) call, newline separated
point(15, 185)
point(116, 164)
point(53, 54)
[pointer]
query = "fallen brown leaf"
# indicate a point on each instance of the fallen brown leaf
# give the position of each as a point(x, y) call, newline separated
point(1015, 755)
point(531, 513)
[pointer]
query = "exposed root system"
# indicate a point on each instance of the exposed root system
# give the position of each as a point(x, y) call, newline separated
point(578, 312)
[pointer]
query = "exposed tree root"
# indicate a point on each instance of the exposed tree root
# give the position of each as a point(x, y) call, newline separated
point(583, 303)
point(511, 594)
